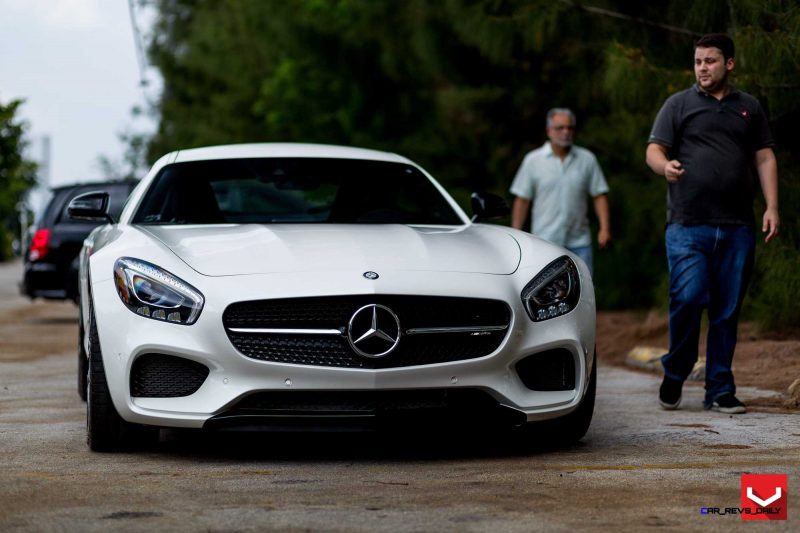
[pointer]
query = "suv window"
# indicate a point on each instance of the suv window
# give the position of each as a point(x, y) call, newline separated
point(44, 209)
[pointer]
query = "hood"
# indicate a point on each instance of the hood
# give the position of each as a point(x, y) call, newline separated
point(229, 250)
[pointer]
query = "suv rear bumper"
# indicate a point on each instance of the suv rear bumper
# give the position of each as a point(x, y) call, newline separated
point(43, 280)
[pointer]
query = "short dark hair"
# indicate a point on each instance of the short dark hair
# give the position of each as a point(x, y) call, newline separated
point(717, 40)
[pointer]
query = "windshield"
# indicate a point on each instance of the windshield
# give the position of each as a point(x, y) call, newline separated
point(293, 190)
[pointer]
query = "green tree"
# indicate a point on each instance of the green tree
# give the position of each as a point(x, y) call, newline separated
point(637, 79)
point(463, 87)
point(17, 174)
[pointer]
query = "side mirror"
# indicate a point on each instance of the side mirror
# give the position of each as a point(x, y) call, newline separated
point(487, 205)
point(90, 206)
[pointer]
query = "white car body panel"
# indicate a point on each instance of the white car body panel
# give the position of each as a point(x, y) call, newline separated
point(231, 263)
point(231, 250)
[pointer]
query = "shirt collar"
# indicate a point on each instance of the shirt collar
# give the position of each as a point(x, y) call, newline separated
point(733, 91)
point(548, 151)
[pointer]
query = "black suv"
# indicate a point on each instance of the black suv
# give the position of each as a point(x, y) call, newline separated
point(51, 253)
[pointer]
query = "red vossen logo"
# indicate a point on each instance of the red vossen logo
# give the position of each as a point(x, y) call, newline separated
point(764, 496)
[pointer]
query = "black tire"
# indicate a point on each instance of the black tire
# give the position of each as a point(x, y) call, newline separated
point(73, 283)
point(106, 431)
point(83, 363)
point(569, 429)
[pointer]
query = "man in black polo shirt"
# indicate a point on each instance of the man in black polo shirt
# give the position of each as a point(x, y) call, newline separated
point(713, 145)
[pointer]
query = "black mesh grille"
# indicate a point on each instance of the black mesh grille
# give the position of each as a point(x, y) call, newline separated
point(296, 349)
point(552, 370)
point(164, 376)
point(335, 313)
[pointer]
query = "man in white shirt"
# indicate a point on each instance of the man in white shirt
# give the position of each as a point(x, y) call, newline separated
point(554, 181)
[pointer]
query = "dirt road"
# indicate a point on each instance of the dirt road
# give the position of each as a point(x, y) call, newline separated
point(638, 467)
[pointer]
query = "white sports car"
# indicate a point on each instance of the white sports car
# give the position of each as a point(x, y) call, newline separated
point(276, 285)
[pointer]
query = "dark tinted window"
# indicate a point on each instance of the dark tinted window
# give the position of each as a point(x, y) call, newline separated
point(257, 191)
point(117, 196)
point(46, 211)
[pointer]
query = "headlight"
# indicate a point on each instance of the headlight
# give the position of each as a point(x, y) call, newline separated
point(150, 291)
point(553, 292)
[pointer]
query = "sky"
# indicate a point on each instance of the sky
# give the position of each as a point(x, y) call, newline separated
point(74, 62)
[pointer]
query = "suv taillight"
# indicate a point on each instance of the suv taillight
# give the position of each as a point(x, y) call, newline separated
point(40, 245)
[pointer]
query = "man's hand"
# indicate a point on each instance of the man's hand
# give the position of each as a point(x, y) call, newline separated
point(767, 168)
point(770, 224)
point(603, 212)
point(673, 171)
point(603, 238)
point(657, 158)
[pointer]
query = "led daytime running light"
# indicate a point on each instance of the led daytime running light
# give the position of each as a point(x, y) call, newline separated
point(555, 291)
point(152, 292)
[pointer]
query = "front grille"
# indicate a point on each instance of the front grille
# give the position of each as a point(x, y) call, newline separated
point(334, 313)
point(164, 376)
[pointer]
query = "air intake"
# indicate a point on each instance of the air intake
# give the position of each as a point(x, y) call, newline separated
point(553, 370)
point(156, 375)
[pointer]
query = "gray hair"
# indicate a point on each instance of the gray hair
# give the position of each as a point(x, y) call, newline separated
point(560, 111)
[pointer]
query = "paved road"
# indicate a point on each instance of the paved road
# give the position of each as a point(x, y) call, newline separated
point(10, 275)
point(639, 468)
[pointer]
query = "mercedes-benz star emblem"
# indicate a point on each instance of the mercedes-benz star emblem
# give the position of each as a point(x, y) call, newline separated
point(373, 331)
point(371, 275)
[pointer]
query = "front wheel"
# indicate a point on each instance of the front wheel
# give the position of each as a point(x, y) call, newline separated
point(83, 362)
point(106, 431)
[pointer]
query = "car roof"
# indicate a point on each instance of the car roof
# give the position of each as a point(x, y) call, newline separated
point(299, 150)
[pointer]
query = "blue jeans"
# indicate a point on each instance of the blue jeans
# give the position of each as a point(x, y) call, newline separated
point(585, 253)
point(709, 267)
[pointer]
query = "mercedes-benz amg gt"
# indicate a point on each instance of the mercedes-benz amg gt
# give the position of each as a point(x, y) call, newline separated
point(300, 286)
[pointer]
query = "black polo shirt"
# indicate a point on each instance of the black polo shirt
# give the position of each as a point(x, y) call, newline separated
point(715, 141)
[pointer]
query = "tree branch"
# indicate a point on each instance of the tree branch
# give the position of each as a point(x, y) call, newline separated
point(623, 16)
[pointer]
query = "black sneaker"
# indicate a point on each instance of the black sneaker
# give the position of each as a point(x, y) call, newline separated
point(728, 403)
point(669, 395)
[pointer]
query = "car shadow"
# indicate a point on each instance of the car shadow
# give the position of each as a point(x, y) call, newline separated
point(53, 321)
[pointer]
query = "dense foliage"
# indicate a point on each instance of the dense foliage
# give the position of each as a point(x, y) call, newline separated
point(462, 87)
point(17, 174)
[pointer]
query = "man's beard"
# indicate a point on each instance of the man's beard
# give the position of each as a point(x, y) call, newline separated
point(715, 86)
point(562, 144)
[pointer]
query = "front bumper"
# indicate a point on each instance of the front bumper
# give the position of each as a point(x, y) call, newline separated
point(124, 336)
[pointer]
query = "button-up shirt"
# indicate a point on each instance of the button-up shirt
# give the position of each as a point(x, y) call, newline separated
point(558, 191)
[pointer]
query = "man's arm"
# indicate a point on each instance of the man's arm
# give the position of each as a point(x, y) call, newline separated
point(603, 212)
point(657, 160)
point(519, 211)
point(767, 167)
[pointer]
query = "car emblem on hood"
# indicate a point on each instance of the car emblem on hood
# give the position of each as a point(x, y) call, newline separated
point(371, 275)
point(373, 331)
